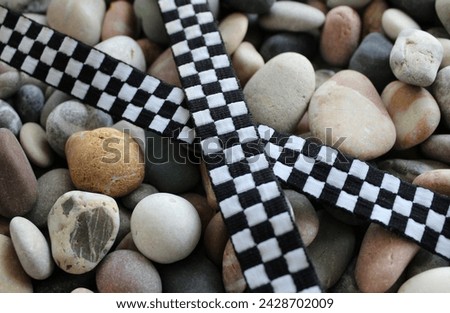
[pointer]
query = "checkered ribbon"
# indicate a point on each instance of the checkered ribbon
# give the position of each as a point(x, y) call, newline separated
point(267, 244)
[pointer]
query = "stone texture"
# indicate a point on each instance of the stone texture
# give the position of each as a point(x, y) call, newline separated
point(436, 180)
point(233, 279)
point(215, 239)
point(35, 145)
point(29, 102)
point(371, 17)
point(233, 29)
point(281, 42)
point(431, 281)
point(149, 17)
point(440, 89)
point(133, 198)
point(421, 11)
point(82, 228)
point(443, 12)
point(437, 147)
point(394, 21)
point(204, 210)
point(119, 20)
point(9, 118)
point(246, 62)
point(408, 170)
point(56, 98)
point(165, 69)
point(62, 282)
point(424, 261)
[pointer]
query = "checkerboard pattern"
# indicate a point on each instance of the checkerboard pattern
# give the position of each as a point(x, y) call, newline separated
point(265, 238)
point(357, 187)
point(93, 77)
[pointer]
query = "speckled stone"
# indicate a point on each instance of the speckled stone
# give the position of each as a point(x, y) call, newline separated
point(35, 145)
point(394, 21)
point(233, 279)
point(233, 29)
point(437, 147)
point(204, 210)
point(126, 271)
point(13, 278)
point(408, 170)
point(120, 19)
point(9, 118)
point(29, 102)
point(215, 239)
point(105, 160)
point(424, 261)
point(31, 248)
point(56, 98)
point(18, 185)
point(82, 228)
point(132, 199)
point(440, 89)
point(431, 281)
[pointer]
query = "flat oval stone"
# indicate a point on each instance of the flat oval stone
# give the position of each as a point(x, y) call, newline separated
point(119, 20)
point(372, 15)
point(166, 228)
point(233, 279)
point(440, 89)
point(351, 3)
point(9, 118)
point(4, 226)
point(416, 57)
point(292, 16)
point(413, 110)
point(343, 103)
point(35, 145)
point(443, 12)
point(29, 102)
point(31, 248)
point(18, 185)
point(340, 35)
point(408, 170)
point(246, 62)
point(394, 21)
point(82, 228)
point(126, 271)
point(299, 42)
point(432, 281)
point(254, 6)
point(437, 147)
point(105, 160)
point(165, 69)
point(133, 198)
point(80, 19)
point(215, 239)
point(233, 29)
point(13, 278)
point(278, 94)
point(424, 261)
point(436, 180)
point(204, 210)
point(382, 259)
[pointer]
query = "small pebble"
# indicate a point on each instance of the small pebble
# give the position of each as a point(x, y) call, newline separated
point(207, 186)
point(253, 6)
point(340, 35)
point(119, 20)
point(165, 69)
point(10, 82)
point(149, 16)
point(132, 199)
point(32, 248)
point(416, 57)
point(432, 281)
point(436, 180)
point(233, 29)
point(437, 147)
point(299, 42)
point(233, 279)
point(414, 112)
point(443, 12)
point(424, 261)
point(34, 142)
point(421, 11)
point(446, 57)
point(166, 228)
point(246, 62)
point(105, 160)
point(127, 243)
point(81, 19)
point(150, 49)
point(394, 21)
point(9, 118)
point(200, 203)
point(126, 271)
point(371, 18)
point(29, 102)
point(56, 98)
point(82, 228)
point(440, 90)
point(357, 4)
point(408, 170)
point(18, 185)
point(215, 239)
point(278, 94)
point(13, 278)
point(81, 290)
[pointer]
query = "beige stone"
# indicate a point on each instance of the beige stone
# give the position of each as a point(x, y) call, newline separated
point(233, 29)
point(233, 279)
point(204, 210)
point(119, 20)
point(394, 21)
point(436, 180)
point(246, 62)
point(371, 18)
point(35, 145)
point(432, 281)
point(215, 239)
point(165, 69)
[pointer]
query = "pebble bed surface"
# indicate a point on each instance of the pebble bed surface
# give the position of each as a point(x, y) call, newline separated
point(89, 203)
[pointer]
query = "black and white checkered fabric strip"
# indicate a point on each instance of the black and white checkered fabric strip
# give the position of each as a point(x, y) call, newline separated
point(93, 77)
point(359, 188)
point(265, 238)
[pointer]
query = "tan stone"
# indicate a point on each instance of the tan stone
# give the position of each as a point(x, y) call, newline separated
point(233, 29)
point(165, 69)
point(206, 180)
point(119, 20)
point(371, 19)
point(150, 49)
point(233, 279)
point(215, 239)
point(436, 180)
point(246, 62)
point(394, 21)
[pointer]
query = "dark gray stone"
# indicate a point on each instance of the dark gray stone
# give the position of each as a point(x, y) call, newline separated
point(131, 200)
point(424, 261)
point(62, 282)
point(422, 11)
point(9, 118)
point(249, 6)
point(302, 43)
point(29, 102)
point(437, 147)
point(408, 170)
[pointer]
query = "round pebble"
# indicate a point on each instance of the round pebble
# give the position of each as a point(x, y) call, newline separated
point(436, 180)
point(351, 3)
point(13, 278)
point(165, 69)
point(254, 6)
point(416, 57)
point(382, 259)
point(119, 20)
point(133, 198)
point(82, 228)
point(200, 203)
point(408, 170)
point(300, 42)
point(372, 15)
point(165, 227)
point(71, 117)
point(344, 103)
point(414, 112)
point(126, 271)
point(215, 239)
point(105, 160)
point(437, 147)
point(31, 248)
point(18, 185)
point(340, 35)
point(432, 281)
point(80, 19)
point(9, 118)
point(29, 102)
point(440, 89)
point(278, 94)
point(394, 21)
point(443, 11)
point(246, 62)
point(233, 29)
point(292, 16)
point(233, 279)
point(34, 142)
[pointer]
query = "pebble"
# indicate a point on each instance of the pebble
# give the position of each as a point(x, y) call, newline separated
point(62, 282)
point(52, 185)
point(29, 102)
point(200, 203)
point(322, 76)
point(149, 16)
point(436, 180)
point(13, 278)
point(332, 249)
point(432, 281)
point(424, 261)
point(437, 147)
point(18, 185)
point(246, 61)
point(305, 216)
point(150, 49)
point(292, 16)
point(119, 20)
point(408, 170)
point(233, 29)
point(166, 228)
point(357, 4)
point(81, 290)
point(105, 160)
point(343, 103)
point(31, 248)
point(340, 35)
point(414, 112)
point(421, 11)
point(71, 117)
point(347, 282)
point(440, 89)
point(9, 118)
point(133, 198)
point(382, 259)
point(207, 186)
point(25, 5)
point(233, 279)
point(80, 19)
point(169, 166)
point(395, 21)
point(443, 12)
point(215, 239)
point(371, 58)
point(446, 57)
point(127, 243)
point(124, 225)
point(300, 42)
point(56, 98)
point(303, 125)
point(82, 228)
point(137, 133)
point(10, 82)
point(35, 145)
point(371, 17)
point(278, 94)
point(416, 57)
point(165, 69)
point(126, 271)
point(254, 6)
